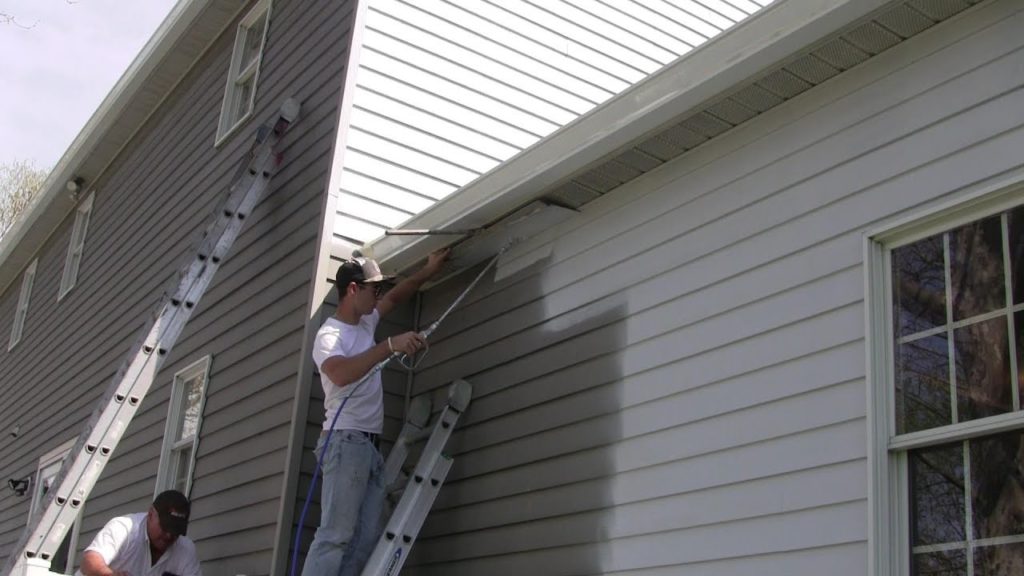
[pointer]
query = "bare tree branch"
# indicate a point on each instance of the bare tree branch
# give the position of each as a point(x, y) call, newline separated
point(20, 183)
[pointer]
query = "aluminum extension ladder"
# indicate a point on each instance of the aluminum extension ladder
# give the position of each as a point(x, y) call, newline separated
point(34, 552)
point(425, 481)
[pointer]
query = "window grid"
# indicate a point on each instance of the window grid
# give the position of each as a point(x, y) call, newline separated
point(184, 420)
point(980, 429)
point(243, 74)
point(21, 312)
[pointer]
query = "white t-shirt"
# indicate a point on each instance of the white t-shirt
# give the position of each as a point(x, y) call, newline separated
point(124, 545)
point(365, 409)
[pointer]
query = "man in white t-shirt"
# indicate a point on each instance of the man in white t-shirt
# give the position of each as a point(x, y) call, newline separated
point(352, 491)
point(151, 543)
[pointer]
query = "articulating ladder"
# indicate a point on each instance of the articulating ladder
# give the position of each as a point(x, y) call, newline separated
point(118, 405)
point(425, 481)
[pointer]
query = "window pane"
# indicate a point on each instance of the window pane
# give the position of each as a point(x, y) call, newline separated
point(251, 46)
point(982, 370)
point(922, 384)
point(976, 268)
point(919, 286)
point(937, 495)
point(997, 495)
point(1017, 253)
point(1005, 560)
point(181, 460)
point(193, 396)
point(243, 94)
point(948, 563)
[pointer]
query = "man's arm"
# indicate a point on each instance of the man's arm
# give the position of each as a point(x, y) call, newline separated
point(344, 370)
point(94, 565)
point(406, 288)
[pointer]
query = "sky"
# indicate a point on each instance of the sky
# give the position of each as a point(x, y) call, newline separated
point(58, 60)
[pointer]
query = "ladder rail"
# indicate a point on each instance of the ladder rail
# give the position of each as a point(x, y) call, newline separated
point(135, 376)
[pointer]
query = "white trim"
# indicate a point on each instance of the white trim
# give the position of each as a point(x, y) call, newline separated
point(21, 312)
point(226, 125)
point(199, 368)
point(76, 246)
point(764, 40)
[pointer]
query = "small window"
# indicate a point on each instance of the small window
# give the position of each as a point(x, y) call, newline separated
point(184, 418)
point(240, 95)
point(76, 247)
point(948, 414)
point(22, 311)
point(49, 466)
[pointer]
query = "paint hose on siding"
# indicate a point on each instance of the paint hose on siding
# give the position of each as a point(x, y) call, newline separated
point(405, 362)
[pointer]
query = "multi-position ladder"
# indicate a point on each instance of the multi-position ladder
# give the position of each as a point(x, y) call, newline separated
point(425, 481)
point(132, 381)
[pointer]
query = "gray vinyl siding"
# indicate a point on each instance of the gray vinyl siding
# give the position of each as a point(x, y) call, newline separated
point(680, 386)
point(150, 211)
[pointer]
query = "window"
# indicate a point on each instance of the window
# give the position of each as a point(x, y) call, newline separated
point(948, 346)
point(76, 247)
point(22, 310)
point(240, 95)
point(49, 465)
point(184, 418)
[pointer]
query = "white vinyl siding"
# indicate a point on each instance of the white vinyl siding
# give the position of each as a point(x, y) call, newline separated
point(184, 420)
point(243, 75)
point(21, 312)
point(680, 385)
point(76, 247)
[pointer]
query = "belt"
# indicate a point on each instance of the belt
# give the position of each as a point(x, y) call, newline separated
point(373, 438)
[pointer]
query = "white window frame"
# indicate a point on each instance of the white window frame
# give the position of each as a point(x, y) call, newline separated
point(76, 246)
point(21, 312)
point(888, 462)
point(166, 471)
point(50, 462)
point(237, 76)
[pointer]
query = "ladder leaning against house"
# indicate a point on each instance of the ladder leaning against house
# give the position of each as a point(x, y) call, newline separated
point(80, 471)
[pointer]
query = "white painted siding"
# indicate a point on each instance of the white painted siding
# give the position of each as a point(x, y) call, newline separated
point(447, 90)
point(680, 387)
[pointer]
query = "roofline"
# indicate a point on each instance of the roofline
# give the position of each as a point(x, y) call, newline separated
point(52, 205)
point(765, 40)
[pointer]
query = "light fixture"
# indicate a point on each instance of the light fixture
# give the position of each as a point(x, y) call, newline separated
point(19, 486)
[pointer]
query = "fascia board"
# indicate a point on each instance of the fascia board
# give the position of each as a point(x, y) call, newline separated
point(54, 203)
point(765, 40)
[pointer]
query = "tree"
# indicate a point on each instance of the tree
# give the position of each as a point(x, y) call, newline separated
point(20, 183)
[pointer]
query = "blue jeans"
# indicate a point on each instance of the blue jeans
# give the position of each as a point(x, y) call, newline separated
point(351, 505)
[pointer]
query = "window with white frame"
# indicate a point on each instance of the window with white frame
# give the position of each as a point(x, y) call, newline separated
point(76, 247)
point(181, 436)
point(21, 312)
point(49, 466)
point(949, 429)
point(240, 94)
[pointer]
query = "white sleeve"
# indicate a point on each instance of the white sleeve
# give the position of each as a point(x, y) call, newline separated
point(325, 346)
point(109, 540)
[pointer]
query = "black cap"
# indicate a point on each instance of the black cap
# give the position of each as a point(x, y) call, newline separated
point(173, 508)
point(360, 271)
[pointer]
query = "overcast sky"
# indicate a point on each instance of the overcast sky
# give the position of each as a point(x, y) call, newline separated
point(58, 60)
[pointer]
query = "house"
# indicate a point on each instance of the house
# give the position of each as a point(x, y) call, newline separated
point(777, 335)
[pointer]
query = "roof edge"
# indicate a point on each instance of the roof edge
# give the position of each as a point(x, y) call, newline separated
point(53, 204)
point(767, 39)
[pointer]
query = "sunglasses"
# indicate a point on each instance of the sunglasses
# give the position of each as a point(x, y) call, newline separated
point(378, 288)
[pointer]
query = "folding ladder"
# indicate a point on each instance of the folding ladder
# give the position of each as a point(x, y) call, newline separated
point(117, 407)
point(425, 481)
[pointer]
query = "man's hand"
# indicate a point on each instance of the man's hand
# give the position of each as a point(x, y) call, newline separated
point(408, 343)
point(435, 260)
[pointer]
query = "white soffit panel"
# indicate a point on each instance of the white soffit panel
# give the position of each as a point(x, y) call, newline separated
point(446, 90)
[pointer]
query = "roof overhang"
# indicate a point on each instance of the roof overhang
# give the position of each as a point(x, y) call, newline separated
point(761, 43)
point(184, 35)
